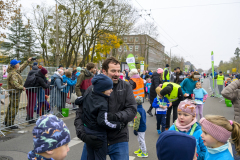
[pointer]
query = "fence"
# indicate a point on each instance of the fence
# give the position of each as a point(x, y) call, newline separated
point(20, 107)
point(217, 89)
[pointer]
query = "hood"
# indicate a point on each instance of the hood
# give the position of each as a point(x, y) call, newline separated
point(39, 74)
point(155, 74)
point(57, 75)
point(175, 145)
point(87, 73)
point(35, 68)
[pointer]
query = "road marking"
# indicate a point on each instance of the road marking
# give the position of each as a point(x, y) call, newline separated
point(74, 142)
point(131, 158)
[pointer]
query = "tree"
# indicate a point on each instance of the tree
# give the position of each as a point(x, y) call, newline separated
point(177, 61)
point(8, 12)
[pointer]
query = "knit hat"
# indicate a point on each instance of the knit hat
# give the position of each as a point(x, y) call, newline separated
point(217, 132)
point(44, 71)
point(101, 83)
point(158, 90)
point(49, 133)
point(167, 90)
point(40, 67)
point(187, 107)
point(150, 73)
point(35, 63)
point(61, 72)
point(175, 145)
point(146, 71)
point(167, 65)
point(79, 69)
point(133, 72)
point(159, 70)
point(139, 100)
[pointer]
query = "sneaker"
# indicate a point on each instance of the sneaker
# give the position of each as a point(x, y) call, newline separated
point(159, 132)
point(142, 155)
point(150, 113)
point(138, 151)
point(13, 127)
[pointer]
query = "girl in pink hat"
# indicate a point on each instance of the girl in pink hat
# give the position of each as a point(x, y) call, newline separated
point(216, 132)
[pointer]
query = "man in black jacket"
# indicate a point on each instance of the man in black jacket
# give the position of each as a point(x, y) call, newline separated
point(122, 108)
point(178, 76)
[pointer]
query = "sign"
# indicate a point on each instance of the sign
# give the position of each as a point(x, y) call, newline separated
point(234, 69)
point(212, 59)
point(131, 61)
point(228, 71)
point(5, 67)
point(141, 66)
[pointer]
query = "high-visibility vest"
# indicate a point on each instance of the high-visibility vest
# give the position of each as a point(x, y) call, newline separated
point(174, 94)
point(139, 90)
point(220, 80)
point(168, 75)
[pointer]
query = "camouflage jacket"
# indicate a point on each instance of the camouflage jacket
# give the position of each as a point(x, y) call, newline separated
point(14, 78)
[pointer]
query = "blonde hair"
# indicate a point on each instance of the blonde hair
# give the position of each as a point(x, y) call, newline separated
point(234, 128)
point(197, 83)
point(158, 90)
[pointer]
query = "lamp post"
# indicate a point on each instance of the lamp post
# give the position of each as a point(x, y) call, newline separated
point(171, 57)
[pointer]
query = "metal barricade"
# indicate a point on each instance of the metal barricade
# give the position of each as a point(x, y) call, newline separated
point(217, 89)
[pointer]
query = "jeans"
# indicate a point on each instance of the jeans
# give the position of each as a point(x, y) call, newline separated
point(115, 151)
point(161, 120)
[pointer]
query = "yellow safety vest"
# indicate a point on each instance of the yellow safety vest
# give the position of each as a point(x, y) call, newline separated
point(174, 94)
point(220, 80)
point(168, 75)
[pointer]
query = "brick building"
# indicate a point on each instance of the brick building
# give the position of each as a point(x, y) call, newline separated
point(143, 46)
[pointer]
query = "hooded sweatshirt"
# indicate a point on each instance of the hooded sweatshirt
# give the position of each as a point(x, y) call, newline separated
point(172, 145)
point(201, 148)
point(220, 153)
point(83, 82)
point(188, 85)
point(34, 70)
point(69, 82)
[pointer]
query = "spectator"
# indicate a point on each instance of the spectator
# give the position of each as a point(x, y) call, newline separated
point(172, 75)
point(166, 74)
point(172, 145)
point(127, 76)
point(34, 70)
point(150, 75)
point(144, 75)
point(84, 79)
point(178, 76)
point(78, 71)
point(122, 108)
point(55, 93)
point(74, 74)
point(60, 67)
point(157, 79)
point(15, 85)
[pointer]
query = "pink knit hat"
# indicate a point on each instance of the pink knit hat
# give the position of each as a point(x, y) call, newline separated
point(159, 70)
point(217, 132)
point(188, 107)
point(61, 72)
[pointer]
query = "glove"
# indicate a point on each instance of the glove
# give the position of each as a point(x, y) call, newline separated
point(93, 141)
point(135, 132)
point(112, 117)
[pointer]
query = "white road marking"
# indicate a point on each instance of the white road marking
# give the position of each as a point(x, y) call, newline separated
point(74, 142)
point(131, 158)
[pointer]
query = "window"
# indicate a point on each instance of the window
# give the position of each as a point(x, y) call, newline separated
point(130, 48)
point(136, 48)
point(136, 39)
point(120, 49)
point(125, 39)
point(125, 48)
point(131, 39)
point(136, 56)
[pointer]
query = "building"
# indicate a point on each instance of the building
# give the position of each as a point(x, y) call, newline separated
point(144, 48)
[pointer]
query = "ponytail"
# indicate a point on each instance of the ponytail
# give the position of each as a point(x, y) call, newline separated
point(236, 136)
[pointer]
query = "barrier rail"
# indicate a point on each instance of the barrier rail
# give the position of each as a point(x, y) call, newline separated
point(19, 107)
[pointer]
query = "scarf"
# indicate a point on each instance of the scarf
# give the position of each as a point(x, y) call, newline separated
point(187, 127)
point(135, 76)
point(219, 149)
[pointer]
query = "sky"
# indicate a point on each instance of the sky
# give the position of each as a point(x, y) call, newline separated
point(197, 26)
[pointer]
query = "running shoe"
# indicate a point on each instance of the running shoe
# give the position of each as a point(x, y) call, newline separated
point(159, 132)
point(142, 155)
point(138, 151)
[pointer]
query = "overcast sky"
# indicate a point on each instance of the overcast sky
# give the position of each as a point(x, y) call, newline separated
point(196, 30)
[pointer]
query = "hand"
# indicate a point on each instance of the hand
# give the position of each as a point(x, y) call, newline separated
point(170, 104)
point(93, 141)
point(49, 80)
point(164, 107)
point(122, 125)
point(185, 95)
point(204, 101)
point(30, 59)
point(24, 88)
point(160, 106)
point(135, 132)
point(65, 84)
point(112, 117)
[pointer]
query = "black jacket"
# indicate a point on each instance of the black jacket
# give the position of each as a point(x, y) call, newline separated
point(95, 108)
point(121, 103)
point(34, 70)
point(155, 83)
point(41, 81)
point(146, 76)
point(178, 77)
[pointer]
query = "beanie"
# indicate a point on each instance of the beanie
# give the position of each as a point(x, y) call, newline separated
point(79, 69)
point(150, 73)
point(60, 72)
point(187, 107)
point(167, 90)
point(35, 63)
point(44, 71)
point(139, 100)
point(167, 65)
point(40, 66)
point(159, 70)
point(158, 90)
point(49, 133)
point(101, 83)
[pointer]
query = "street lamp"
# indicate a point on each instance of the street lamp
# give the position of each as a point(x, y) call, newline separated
point(171, 57)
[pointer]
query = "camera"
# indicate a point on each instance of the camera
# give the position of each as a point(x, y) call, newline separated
point(34, 58)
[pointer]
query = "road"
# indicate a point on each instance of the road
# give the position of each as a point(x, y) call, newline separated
point(18, 147)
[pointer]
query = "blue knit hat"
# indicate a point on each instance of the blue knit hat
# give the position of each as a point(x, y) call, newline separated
point(35, 63)
point(101, 83)
point(150, 73)
point(49, 133)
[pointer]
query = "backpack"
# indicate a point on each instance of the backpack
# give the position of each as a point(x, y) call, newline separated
point(30, 81)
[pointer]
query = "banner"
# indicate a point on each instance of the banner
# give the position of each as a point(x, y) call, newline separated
point(5, 67)
point(212, 59)
point(131, 61)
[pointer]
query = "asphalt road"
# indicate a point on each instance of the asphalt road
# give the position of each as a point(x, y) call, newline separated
point(21, 144)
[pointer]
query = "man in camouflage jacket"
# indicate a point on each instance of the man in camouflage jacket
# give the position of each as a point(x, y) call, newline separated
point(15, 87)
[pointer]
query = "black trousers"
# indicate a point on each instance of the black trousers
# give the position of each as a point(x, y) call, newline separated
point(174, 108)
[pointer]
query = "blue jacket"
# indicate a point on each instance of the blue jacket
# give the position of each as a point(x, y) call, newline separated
point(220, 153)
point(156, 105)
point(143, 120)
point(201, 148)
point(78, 73)
point(69, 82)
point(199, 93)
point(148, 85)
point(188, 86)
point(215, 74)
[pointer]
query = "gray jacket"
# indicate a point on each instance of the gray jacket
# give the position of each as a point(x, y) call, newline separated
point(122, 103)
point(232, 92)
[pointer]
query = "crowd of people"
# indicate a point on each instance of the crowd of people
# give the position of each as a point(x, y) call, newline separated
point(109, 99)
